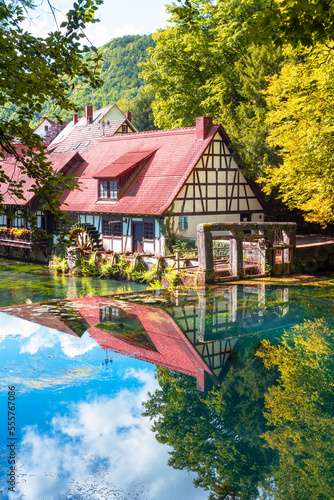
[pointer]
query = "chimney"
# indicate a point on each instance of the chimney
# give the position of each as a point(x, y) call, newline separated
point(128, 115)
point(203, 127)
point(75, 119)
point(89, 113)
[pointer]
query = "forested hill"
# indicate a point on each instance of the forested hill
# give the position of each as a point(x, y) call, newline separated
point(120, 75)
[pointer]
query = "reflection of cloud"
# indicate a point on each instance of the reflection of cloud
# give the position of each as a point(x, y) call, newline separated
point(15, 327)
point(102, 448)
point(70, 345)
point(128, 29)
point(33, 337)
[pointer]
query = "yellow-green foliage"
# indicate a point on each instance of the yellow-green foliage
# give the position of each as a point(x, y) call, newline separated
point(86, 268)
point(302, 126)
point(300, 410)
point(59, 264)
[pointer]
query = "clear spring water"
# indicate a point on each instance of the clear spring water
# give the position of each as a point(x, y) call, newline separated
point(96, 418)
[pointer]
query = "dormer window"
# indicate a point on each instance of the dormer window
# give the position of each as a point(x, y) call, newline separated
point(108, 189)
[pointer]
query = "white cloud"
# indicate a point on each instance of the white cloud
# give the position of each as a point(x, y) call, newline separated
point(102, 449)
point(98, 34)
point(128, 29)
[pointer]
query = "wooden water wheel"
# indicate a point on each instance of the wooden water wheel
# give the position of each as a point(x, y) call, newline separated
point(85, 237)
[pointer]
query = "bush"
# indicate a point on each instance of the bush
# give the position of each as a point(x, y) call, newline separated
point(59, 264)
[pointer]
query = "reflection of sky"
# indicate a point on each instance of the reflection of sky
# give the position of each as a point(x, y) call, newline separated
point(80, 430)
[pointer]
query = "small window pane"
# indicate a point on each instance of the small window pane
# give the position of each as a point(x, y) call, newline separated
point(113, 189)
point(107, 228)
point(148, 230)
point(117, 229)
point(104, 189)
point(183, 222)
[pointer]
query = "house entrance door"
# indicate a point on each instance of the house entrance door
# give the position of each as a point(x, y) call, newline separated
point(138, 235)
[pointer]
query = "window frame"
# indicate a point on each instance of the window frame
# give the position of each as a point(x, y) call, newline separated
point(149, 229)
point(109, 230)
point(112, 187)
point(183, 224)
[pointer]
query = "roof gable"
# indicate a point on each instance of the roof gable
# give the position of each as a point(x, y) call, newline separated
point(152, 192)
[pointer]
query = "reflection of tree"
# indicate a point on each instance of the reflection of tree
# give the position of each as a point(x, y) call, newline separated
point(216, 434)
point(301, 410)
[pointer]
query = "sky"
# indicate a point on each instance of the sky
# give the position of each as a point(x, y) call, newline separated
point(117, 18)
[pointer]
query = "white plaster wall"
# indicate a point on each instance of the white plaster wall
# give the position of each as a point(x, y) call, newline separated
point(148, 247)
point(40, 130)
point(127, 244)
point(194, 220)
point(114, 114)
point(258, 217)
point(107, 244)
point(117, 245)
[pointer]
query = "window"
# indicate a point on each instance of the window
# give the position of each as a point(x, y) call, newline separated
point(117, 229)
point(148, 231)
point(108, 189)
point(19, 220)
point(46, 128)
point(124, 129)
point(183, 222)
point(3, 220)
point(110, 314)
point(111, 228)
point(113, 186)
point(104, 189)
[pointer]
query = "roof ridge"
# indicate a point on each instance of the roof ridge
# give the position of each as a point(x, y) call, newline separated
point(150, 132)
point(173, 131)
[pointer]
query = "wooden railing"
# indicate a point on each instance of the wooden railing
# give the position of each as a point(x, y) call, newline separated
point(24, 239)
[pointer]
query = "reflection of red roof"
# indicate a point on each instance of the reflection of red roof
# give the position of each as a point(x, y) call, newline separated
point(37, 314)
point(124, 164)
point(172, 348)
point(12, 169)
point(156, 186)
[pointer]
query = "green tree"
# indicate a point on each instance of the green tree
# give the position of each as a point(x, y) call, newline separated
point(206, 64)
point(119, 75)
point(33, 70)
point(295, 22)
point(216, 435)
point(142, 112)
point(300, 411)
point(302, 127)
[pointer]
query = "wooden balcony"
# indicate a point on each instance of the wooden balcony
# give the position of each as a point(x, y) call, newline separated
point(27, 240)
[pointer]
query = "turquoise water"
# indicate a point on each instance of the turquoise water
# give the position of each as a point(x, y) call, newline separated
point(21, 282)
point(148, 397)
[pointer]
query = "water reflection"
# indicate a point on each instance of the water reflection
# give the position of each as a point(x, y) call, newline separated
point(246, 418)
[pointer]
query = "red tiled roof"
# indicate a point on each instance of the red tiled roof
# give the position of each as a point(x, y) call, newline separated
point(82, 138)
point(12, 169)
point(125, 163)
point(152, 192)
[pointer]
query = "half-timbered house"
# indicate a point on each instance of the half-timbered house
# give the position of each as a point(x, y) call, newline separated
point(66, 153)
point(132, 183)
